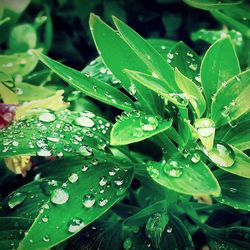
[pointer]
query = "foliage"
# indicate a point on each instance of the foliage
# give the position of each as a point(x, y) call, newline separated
point(146, 147)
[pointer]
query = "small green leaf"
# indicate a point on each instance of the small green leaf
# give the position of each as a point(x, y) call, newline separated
point(187, 176)
point(192, 91)
point(219, 64)
point(211, 4)
point(234, 190)
point(88, 85)
point(18, 64)
point(231, 100)
point(157, 86)
point(155, 62)
point(78, 208)
point(118, 57)
point(186, 61)
point(137, 126)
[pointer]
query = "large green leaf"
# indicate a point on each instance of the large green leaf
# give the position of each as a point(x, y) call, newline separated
point(192, 91)
point(155, 62)
point(12, 230)
point(62, 133)
point(219, 64)
point(137, 126)
point(186, 61)
point(88, 85)
point(234, 190)
point(231, 100)
point(118, 57)
point(102, 184)
point(157, 86)
point(187, 176)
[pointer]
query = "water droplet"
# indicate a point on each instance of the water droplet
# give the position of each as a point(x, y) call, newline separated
point(45, 218)
point(73, 178)
point(233, 190)
point(103, 181)
point(84, 168)
point(153, 172)
point(46, 238)
point(149, 123)
point(127, 243)
point(102, 202)
point(170, 56)
point(44, 152)
point(195, 158)
point(88, 200)
point(59, 196)
point(119, 181)
point(169, 229)
point(84, 121)
point(173, 168)
point(47, 117)
point(75, 225)
point(193, 66)
point(85, 150)
point(132, 89)
point(16, 199)
point(221, 155)
point(53, 139)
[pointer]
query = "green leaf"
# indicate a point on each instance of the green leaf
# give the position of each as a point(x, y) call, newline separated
point(137, 126)
point(211, 4)
point(88, 85)
point(185, 176)
point(62, 133)
point(118, 57)
point(157, 86)
point(22, 38)
point(78, 208)
point(18, 64)
point(186, 61)
point(234, 190)
point(29, 92)
point(155, 62)
point(12, 230)
point(163, 46)
point(231, 100)
point(219, 64)
point(192, 91)
point(237, 133)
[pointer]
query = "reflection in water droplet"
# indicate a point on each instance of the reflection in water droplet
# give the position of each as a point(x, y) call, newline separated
point(102, 202)
point(59, 196)
point(46, 238)
point(195, 158)
point(75, 225)
point(103, 181)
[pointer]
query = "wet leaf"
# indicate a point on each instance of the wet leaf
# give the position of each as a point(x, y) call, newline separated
point(137, 126)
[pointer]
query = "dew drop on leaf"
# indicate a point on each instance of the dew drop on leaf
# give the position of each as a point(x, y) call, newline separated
point(44, 152)
point(84, 121)
point(119, 181)
point(103, 181)
point(102, 202)
point(47, 117)
point(59, 196)
point(149, 123)
point(173, 168)
point(89, 200)
point(85, 150)
point(138, 132)
point(75, 225)
point(16, 199)
point(46, 238)
point(73, 178)
point(195, 158)
point(221, 155)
